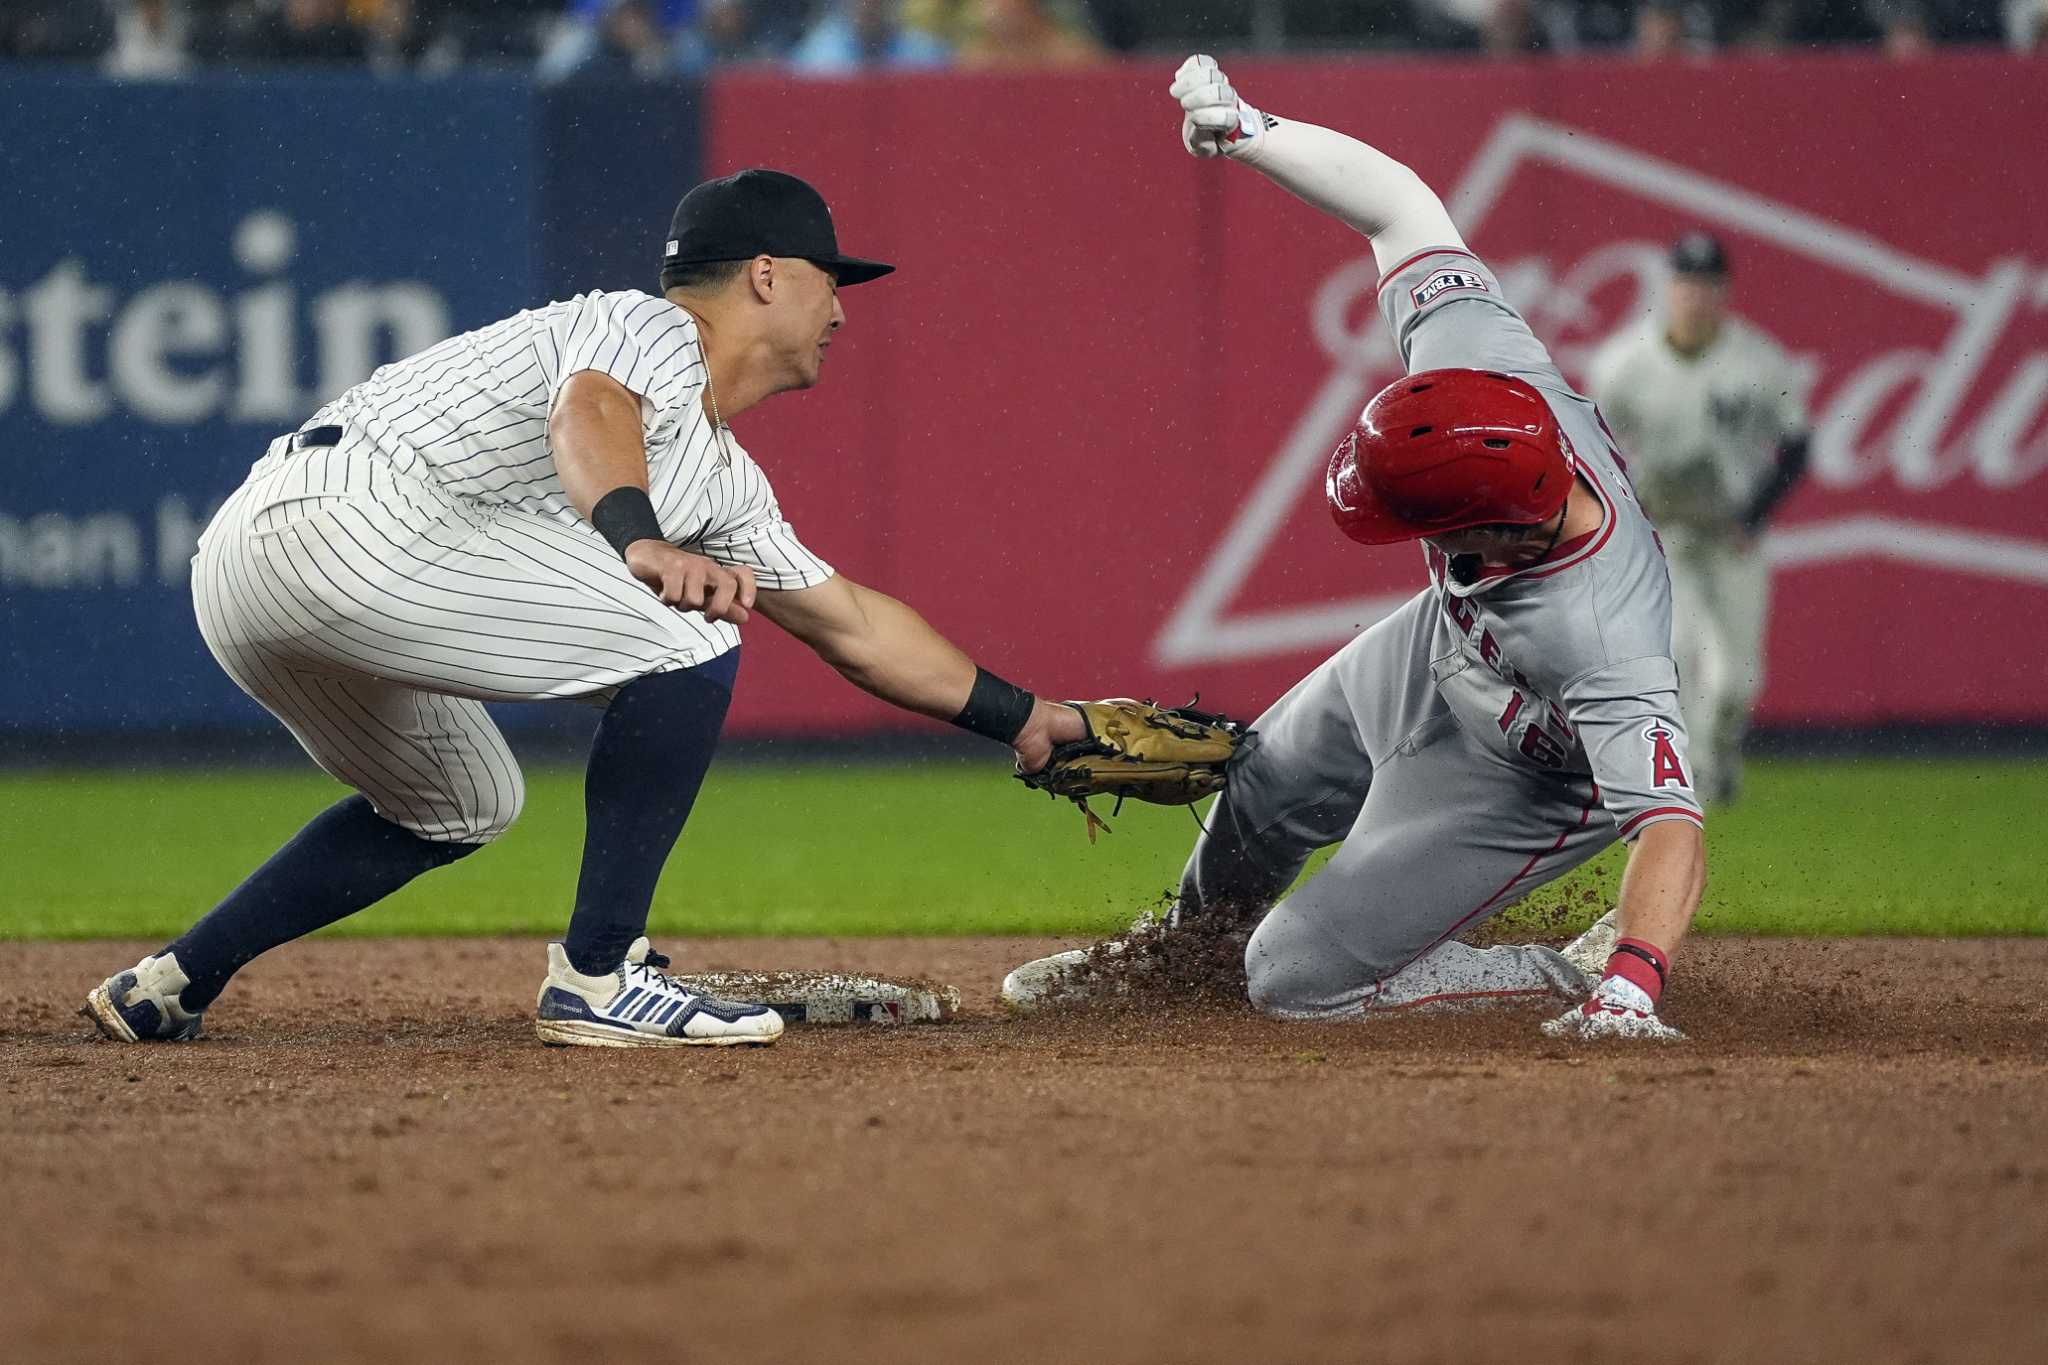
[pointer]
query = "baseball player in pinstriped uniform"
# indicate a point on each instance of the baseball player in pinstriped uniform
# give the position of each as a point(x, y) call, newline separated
point(1713, 413)
point(1513, 719)
point(551, 507)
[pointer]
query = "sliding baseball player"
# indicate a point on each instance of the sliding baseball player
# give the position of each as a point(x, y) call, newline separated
point(1517, 716)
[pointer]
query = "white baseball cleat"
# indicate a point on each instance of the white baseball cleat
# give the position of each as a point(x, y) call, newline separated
point(636, 1005)
point(1072, 976)
point(1063, 978)
point(1618, 1009)
point(1589, 951)
point(141, 1005)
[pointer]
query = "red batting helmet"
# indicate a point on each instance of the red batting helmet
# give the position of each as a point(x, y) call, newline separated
point(1446, 449)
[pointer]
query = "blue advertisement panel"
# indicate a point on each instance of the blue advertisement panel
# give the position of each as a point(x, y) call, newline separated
point(187, 271)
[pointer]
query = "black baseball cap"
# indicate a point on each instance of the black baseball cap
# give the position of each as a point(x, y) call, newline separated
point(759, 212)
point(1699, 253)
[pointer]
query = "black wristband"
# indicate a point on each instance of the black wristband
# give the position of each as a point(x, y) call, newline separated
point(1648, 957)
point(995, 708)
point(624, 515)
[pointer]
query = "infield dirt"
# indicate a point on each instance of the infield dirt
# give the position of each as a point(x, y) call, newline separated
point(370, 1159)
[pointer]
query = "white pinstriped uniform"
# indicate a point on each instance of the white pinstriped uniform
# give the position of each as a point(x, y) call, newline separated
point(1703, 434)
point(372, 594)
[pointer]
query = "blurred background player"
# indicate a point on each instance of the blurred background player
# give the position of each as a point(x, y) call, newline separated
point(1711, 413)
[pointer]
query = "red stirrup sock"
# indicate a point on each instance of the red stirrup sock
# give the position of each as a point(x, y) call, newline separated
point(1642, 965)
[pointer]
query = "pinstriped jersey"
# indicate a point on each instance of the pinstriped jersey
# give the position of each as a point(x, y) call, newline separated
point(471, 416)
point(1702, 430)
point(1564, 664)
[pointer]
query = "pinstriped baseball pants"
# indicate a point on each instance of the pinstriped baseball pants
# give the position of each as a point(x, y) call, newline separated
point(373, 616)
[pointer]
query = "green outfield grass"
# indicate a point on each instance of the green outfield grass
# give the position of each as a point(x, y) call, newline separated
point(1819, 847)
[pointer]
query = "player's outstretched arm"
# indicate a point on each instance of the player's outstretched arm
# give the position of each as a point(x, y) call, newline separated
point(883, 647)
point(1660, 891)
point(1338, 174)
point(1662, 884)
point(601, 457)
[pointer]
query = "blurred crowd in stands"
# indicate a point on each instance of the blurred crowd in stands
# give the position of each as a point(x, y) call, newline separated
point(565, 40)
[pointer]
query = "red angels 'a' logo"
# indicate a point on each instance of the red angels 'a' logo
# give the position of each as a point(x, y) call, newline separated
point(1664, 766)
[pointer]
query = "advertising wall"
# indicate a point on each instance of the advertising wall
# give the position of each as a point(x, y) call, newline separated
point(1083, 427)
point(188, 270)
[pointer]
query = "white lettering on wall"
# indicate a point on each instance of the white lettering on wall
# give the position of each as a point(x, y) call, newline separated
point(177, 538)
point(265, 317)
point(351, 322)
point(182, 351)
point(52, 550)
point(2011, 443)
point(163, 324)
point(1904, 414)
point(10, 370)
point(101, 549)
point(61, 306)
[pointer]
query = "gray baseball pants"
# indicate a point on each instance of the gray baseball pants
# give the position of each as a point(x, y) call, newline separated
point(1438, 833)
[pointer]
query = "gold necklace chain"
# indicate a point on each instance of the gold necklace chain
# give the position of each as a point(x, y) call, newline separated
point(718, 426)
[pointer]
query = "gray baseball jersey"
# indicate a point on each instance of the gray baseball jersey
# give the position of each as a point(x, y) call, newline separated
point(1701, 431)
point(1484, 739)
point(1567, 663)
point(412, 554)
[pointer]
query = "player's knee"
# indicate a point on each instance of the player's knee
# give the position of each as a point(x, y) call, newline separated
point(1275, 979)
point(1263, 985)
point(1276, 989)
point(1294, 969)
point(487, 814)
point(500, 814)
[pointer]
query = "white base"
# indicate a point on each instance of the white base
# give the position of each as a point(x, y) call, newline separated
point(831, 997)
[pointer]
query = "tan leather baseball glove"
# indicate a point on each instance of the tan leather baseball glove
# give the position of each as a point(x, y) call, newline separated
point(1170, 756)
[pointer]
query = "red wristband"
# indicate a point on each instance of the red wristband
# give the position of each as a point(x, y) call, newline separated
point(1640, 964)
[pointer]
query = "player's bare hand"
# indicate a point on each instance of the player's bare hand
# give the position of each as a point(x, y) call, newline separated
point(732, 598)
point(1213, 118)
point(1051, 723)
point(690, 582)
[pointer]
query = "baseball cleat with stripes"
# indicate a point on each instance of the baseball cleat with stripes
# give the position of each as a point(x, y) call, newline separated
point(637, 1005)
point(141, 1005)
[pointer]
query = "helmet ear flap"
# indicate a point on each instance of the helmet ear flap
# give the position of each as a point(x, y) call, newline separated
point(1343, 483)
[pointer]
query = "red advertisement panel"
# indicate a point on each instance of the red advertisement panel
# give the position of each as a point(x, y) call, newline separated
point(1082, 429)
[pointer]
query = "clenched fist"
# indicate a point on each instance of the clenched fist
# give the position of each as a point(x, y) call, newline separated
point(1214, 121)
point(690, 582)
